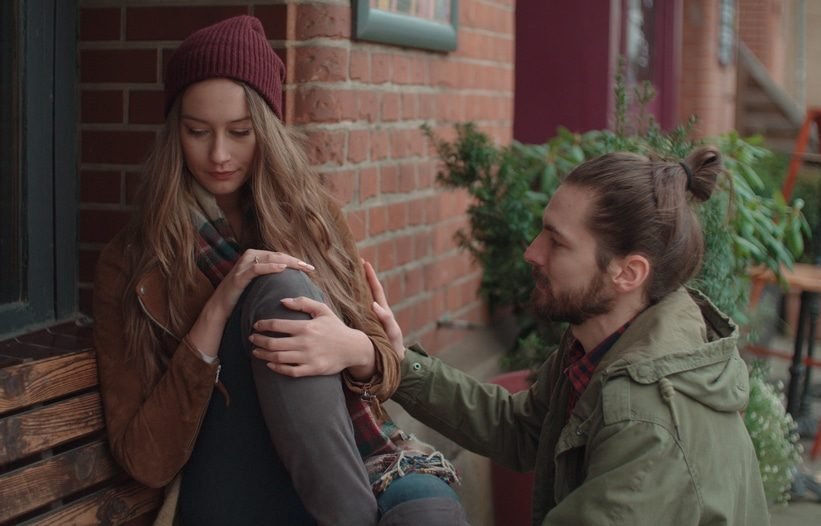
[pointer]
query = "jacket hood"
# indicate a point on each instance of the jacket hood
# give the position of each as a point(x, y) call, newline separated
point(686, 343)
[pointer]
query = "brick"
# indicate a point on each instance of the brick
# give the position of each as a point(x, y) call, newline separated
point(132, 182)
point(360, 66)
point(99, 187)
point(416, 212)
point(426, 106)
point(393, 287)
point(274, 20)
point(101, 106)
point(174, 22)
point(407, 177)
point(165, 56)
point(342, 185)
point(422, 245)
point(380, 145)
point(358, 146)
point(414, 281)
point(377, 220)
point(386, 252)
point(380, 68)
point(419, 70)
point(405, 250)
point(401, 73)
point(118, 65)
point(441, 272)
point(357, 220)
point(322, 20)
point(404, 316)
point(404, 143)
point(368, 184)
point(409, 109)
point(326, 147)
point(389, 178)
point(443, 236)
point(146, 107)
point(115, 146)
point(368, 105)
point(320, 64)
point(397, 215)
point(322, 105)
point(390, 107)
point(444, 74)
point(101, 23)
point(100, 226)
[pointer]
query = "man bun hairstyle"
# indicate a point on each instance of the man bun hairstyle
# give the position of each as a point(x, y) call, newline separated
point(642, 206)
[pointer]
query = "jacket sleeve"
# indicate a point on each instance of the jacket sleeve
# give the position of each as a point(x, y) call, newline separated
point(386, 379)
point(481, 417)
point(637, 475)
point(151, 434)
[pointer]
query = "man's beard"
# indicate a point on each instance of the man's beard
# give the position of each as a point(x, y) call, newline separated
point(574, 307)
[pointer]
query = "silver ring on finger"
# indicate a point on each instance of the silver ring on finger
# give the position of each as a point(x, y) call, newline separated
point(256, 260)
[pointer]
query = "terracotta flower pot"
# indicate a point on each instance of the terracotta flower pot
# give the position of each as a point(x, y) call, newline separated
point(512, 491)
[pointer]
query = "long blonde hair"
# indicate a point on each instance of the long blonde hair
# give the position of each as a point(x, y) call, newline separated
point(291, 208)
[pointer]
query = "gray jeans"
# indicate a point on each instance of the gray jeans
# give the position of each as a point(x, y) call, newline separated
point(307, 418)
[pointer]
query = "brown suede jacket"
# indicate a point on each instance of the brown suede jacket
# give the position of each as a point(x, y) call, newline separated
point(152, 435)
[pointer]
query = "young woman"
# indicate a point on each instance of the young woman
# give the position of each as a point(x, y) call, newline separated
point(226, 193)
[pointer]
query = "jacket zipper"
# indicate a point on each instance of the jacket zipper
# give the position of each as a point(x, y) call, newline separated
point(190, 444)
point(152, 318)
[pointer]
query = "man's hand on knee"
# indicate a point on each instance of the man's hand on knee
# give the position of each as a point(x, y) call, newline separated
point(322, 345)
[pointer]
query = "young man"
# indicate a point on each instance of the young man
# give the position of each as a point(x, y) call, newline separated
point(636, 418)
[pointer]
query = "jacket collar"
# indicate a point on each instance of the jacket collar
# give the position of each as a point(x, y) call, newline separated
point(684, 330)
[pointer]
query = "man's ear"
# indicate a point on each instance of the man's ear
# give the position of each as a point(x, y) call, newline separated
point(629, 273)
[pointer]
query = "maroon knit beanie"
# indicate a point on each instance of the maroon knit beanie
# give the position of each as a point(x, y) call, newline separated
point(235, 48)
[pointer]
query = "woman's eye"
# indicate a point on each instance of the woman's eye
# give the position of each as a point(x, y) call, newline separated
point(196, 132)
point(241, 133)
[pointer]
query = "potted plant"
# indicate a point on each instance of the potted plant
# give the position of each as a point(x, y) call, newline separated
point(744, 225)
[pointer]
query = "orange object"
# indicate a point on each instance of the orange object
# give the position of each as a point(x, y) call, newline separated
point(813, 115)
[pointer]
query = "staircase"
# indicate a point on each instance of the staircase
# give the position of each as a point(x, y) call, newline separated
point(763, 107)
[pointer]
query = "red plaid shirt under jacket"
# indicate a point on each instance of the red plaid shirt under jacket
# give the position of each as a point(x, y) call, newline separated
point(580, 366)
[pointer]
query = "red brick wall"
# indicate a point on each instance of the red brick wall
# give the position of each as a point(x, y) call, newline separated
point(707, 89)
point(359, 104)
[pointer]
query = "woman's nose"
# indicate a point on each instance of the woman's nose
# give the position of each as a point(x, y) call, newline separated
point(219, 151)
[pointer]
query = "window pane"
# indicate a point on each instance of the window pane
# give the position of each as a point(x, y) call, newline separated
point(11, 282)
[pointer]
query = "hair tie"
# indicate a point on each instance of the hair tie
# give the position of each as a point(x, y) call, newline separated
point(687, 171)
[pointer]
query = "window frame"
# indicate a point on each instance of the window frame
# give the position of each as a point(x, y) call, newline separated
point(47, 165)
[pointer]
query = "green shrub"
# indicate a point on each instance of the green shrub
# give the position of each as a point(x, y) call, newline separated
point(773, 434)
point(512, 184)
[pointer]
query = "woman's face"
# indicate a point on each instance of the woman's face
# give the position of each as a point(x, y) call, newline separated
point(218, 141)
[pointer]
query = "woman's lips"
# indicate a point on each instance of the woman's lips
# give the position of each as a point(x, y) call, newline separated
point(222, 176)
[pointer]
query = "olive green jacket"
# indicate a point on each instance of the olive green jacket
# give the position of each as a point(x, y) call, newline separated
point(656, 438)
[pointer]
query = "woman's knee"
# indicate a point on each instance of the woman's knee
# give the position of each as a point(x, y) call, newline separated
point(415, 486)
point(263, 297)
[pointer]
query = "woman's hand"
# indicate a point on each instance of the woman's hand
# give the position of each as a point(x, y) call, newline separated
point(323, 345)
point(383, 311)
point(252, 263)
point(206, 332)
